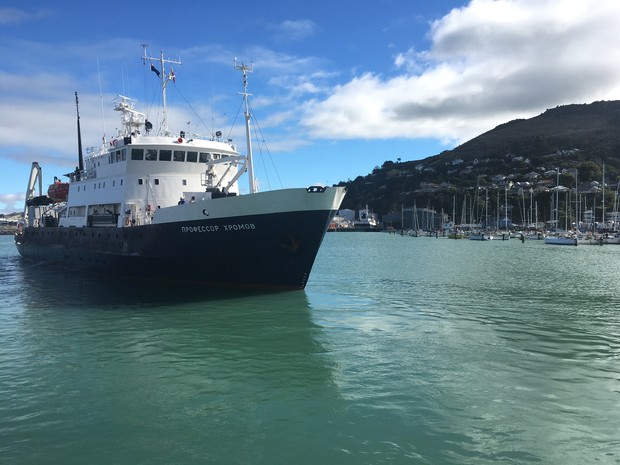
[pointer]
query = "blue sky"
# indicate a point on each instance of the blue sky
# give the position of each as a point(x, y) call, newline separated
point(338, 87)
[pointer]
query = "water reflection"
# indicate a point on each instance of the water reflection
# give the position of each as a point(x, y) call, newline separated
point(109, 366)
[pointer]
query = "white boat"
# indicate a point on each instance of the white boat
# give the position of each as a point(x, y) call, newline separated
point(367, 221)
point(502, 236)
point(590, 239)
point(166, 207)
point(480, 236)
point(534, 236)
point(561, 239)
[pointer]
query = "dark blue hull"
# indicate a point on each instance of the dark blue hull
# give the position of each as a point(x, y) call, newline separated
point(264, 251)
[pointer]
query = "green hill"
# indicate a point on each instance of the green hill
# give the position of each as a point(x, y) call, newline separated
point(577, 139)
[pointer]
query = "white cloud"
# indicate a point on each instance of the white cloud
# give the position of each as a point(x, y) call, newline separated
point(295, 29)
point(10, 203)
point(12, 16)
point(489, 61)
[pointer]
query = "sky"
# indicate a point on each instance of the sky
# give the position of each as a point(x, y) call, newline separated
point(337, 87)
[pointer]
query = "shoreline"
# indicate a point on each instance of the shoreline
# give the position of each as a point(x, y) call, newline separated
point(8, 230)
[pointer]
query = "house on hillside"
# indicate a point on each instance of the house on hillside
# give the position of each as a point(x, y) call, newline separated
point(426, 187)
point(532, 176)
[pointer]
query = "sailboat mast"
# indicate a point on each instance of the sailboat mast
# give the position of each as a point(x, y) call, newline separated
point(506, 207)
point(454, 210)
point(603, 207)
point(576, 199)
point(250, 165)
point(486, 208)
point(557, 199)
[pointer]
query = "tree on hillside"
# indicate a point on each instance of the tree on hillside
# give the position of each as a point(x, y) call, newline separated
point(590, 171)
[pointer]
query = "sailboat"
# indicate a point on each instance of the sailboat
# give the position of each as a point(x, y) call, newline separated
point(558, 237)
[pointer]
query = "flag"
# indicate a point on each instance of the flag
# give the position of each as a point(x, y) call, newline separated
point(172, 76)
point(155, 70)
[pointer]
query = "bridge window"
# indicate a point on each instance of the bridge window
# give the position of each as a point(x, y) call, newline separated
point(137, 154)
point(165, 155)
point(192, 157)
point(179, 155)
point(204, 157)
point(151, 155)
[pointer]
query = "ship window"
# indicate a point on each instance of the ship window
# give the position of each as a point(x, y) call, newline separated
point(140, 181)
point(185, 182)
point(179, 155)
point(137, 154)
point(118, 156)
point(124, 155)
point(157, 182)
point(192, 157)
point(204, 157)
point(110, 158)
point(216, 156)
point(113, 183)
point(151, 154)
point(165, 155)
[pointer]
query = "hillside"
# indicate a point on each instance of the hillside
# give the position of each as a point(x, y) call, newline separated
point(523, 151)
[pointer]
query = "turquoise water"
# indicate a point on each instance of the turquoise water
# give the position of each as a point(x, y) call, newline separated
point(400, 350)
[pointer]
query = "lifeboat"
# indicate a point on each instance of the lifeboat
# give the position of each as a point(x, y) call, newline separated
point(58, 191)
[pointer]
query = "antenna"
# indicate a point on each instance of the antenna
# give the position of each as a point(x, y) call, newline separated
point(243, 67)
point(165, 78)
point(247, 69)
point(101, 101)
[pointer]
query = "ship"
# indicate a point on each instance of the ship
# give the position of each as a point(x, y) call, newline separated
point(164, 207)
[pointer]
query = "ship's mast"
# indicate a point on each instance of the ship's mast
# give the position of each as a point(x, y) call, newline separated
point(79, 134)
point(250, 165)
point(165, 78)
